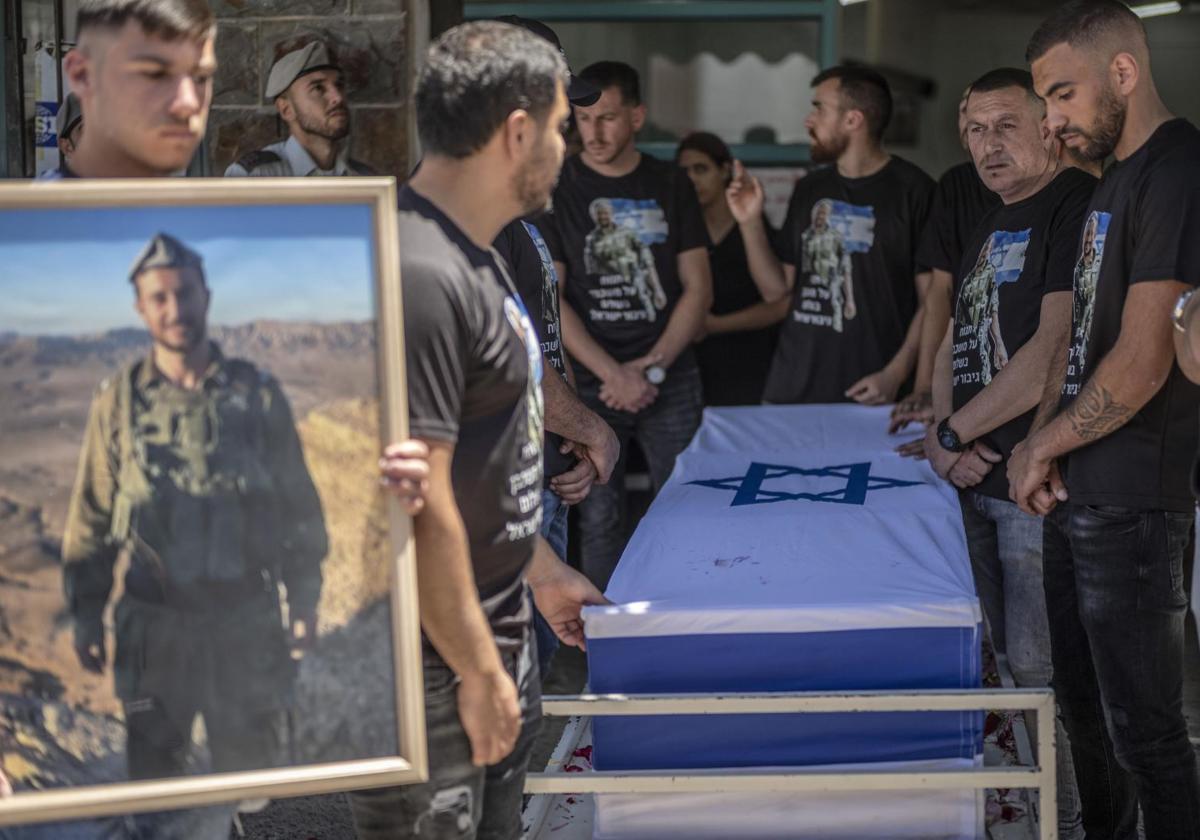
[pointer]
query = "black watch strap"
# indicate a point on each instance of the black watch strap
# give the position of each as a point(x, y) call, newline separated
point(948, 438)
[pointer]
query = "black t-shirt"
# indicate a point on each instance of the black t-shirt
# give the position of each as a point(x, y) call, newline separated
point(619, 238)
point(733, 366)
point(1137, 230)
point(474, 375)
point(959, 203)
point(1019, 253)
point(853, 242)
point(522, 245)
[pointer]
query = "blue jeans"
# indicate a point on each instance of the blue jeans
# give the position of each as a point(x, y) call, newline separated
point(460, 801)
point(1005, 545)
point(1114, 586)
point(554, 529)
point(662, 431)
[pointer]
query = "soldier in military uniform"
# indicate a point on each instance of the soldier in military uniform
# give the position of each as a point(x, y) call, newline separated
point(979, 306)
point(615, 249)
point(191, 466)
point(308, 90)
point(826, 263)
point(1087, 272)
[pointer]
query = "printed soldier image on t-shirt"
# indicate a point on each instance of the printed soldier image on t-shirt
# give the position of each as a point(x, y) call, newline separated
point(526, 484)
point(1087, 272)
point(979, 351)
point(617, 252)
point(552, 347)
point(826, 275)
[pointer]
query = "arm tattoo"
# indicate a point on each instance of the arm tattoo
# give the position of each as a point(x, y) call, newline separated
point(1095, 413)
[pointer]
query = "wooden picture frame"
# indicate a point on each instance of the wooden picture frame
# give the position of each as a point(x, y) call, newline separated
point(376, 199)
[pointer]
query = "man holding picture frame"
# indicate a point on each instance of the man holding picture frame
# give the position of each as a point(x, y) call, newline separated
point(143, 73)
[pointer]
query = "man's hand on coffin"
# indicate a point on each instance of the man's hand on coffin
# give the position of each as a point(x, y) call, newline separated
point(914, 449)
point(973, 466)
point(941, 459)
point(561, 593)
point(490, 713)
point(574, 485)
point(404, 471)
point(915, 408)
point(1034, 484)
point(603, 450)
point(878, 388)
point(627, 389)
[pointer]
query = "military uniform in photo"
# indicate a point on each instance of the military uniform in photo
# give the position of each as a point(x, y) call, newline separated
point(207, 493)
point(288, 158)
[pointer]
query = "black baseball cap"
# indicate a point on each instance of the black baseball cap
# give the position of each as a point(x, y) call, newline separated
point(579, 91)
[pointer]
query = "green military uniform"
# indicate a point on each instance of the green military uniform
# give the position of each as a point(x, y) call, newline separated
point(982, 300)
point(1087, 274)
point(208, 492)
point(618, 250)
point(825, 263)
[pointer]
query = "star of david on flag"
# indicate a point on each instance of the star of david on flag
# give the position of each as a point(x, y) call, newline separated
point(748, 489)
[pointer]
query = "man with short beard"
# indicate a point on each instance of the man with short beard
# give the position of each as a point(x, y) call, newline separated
point(309, 92)
point(860, 345)
point(1107, 462)
point(490, 103)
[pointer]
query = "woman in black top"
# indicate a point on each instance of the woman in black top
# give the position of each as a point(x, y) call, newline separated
point(736, 354)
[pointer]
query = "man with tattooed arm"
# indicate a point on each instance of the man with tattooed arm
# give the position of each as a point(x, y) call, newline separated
point(1107, 462)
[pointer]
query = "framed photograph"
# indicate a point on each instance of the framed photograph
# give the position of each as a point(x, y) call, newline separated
point(206, 595)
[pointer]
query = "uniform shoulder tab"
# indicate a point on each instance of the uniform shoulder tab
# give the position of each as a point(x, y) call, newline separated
point(260, 157)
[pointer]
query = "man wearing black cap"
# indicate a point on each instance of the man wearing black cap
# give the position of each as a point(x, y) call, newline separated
point(309, 93)
point(580, 448)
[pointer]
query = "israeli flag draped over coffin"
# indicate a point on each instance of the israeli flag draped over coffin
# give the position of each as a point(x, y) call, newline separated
point(790, 550)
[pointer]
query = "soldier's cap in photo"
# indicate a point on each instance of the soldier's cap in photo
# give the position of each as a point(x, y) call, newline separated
point(165, 251)
point(69, 115)
point(579, 91)
point(290, 67)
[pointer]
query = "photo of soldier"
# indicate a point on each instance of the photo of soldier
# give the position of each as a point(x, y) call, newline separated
point(191, 466)
point(1087, 272)
point(614, 249)
point(827, 263)
point(979, 306)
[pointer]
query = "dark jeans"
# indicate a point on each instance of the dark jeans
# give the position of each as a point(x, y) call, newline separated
point(460, 801)
point(1005, 545)
point(554, 529)
point(662, 431)
point(1114, 591)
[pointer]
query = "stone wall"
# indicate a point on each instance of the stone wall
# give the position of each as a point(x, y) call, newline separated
point(366, 36)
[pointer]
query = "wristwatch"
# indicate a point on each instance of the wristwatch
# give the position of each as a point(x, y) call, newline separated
point(948, 438)
point(655, 374)
point(1180, 308)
